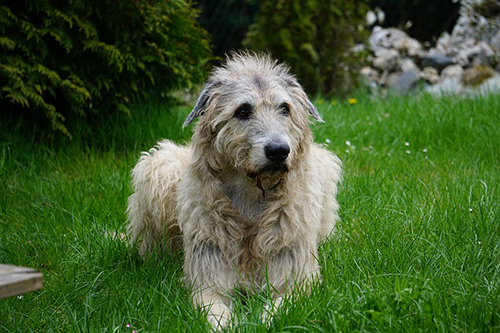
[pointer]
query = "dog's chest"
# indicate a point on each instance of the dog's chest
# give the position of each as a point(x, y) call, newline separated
point(247, 199)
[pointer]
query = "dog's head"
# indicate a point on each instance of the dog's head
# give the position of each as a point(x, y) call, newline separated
point(254, 117)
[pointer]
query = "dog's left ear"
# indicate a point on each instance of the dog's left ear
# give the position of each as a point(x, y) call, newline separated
point(313, 111)
point(302, 96)
point(201, 104)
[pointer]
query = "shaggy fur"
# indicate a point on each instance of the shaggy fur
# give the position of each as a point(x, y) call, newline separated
point(251, 198)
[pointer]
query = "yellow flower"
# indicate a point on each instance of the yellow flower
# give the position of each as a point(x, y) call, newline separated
point(333, 103)
point(320, 101)
point(352, 101)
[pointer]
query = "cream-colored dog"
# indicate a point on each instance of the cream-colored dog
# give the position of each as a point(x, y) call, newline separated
point(251, 198)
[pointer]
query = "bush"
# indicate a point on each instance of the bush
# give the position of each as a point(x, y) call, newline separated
point(65, 59)
point(314, 37)
point(227, 22)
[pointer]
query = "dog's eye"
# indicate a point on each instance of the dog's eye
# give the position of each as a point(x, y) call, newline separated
point(243, 112)
point(285, 109)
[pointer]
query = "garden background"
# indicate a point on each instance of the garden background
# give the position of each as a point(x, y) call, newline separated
point(86, 86)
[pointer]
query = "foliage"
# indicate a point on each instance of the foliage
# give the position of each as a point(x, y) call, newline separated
point(227, 22)
point(314, 37)
point(81, 57)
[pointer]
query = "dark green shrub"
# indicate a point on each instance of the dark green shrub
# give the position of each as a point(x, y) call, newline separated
point(79, 57)
point(227, 22)
point(314, 37)
point(429, 18)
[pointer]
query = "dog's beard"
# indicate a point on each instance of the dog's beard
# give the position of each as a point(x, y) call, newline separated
point(269, 177)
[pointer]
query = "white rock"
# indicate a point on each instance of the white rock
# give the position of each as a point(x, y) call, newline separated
point(454, 86)
point(371, 17)
point(386, 60)
point(452, 71)
point(392, 38)
point(430, 75)
point(406, 64)
point(449, 86)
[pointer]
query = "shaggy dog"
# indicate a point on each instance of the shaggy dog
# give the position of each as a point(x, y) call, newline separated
point(250, 198)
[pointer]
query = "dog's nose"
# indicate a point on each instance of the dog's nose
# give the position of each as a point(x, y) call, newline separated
point(277, 152)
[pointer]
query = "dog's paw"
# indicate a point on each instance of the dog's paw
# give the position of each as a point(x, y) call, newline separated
point(219, 316)
point(270, 310)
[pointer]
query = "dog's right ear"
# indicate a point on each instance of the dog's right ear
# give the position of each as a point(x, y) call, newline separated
point(201, 104)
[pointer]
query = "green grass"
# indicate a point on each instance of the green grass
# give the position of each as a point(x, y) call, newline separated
point(418, 248)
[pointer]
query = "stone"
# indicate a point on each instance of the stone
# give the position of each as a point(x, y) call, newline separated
point(370, 73)
point(436, 60)
point(452, 71)
point(449, 86)
point(476, 75)
point(454, 86)
point(478, 54)
point(405, 84)
point(406, 64)
point(472, 25)
point(386, 60)
point(495, 42)
point(490, 86)
point(392, 38)
point(430, 74)
point(392, 78)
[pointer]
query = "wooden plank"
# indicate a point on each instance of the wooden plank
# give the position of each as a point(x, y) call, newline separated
point(18, 280)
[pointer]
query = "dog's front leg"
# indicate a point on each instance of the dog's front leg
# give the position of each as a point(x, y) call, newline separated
point(212, 279)
point(290, 270)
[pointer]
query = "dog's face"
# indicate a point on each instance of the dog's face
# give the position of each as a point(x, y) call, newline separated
point(255, 116)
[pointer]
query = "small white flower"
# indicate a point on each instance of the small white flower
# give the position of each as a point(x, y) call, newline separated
point(470, 210)
point(408, 152)
point(328, 141)
point(424, 150)
point(407, 144)
point(348, 143)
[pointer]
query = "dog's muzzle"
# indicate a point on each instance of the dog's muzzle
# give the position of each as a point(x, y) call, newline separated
point(277, 153)
point(270, 177)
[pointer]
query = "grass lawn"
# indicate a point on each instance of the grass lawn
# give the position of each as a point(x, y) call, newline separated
point(418, 248)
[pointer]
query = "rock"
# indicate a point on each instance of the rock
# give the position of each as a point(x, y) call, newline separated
point(471, 23)
point(406, 64)
point(454, 86)
point(468, 44)
point(477, 75)
point(386, 60)
point(370, 17)
point(458, 63)
point(370, 73)
point(495, 42)
point(490, 86)
point(449, 86)
point(392, 78)
point(452, 71)
point(406, 83)
point(430, 74)
point(436, 60)
point(392, 38)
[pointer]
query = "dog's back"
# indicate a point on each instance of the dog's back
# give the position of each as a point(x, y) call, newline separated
point(151, 209)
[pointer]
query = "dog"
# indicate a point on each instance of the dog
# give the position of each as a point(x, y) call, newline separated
point(250, 199)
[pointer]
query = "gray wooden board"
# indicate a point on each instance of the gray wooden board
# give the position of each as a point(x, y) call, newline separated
point(18, 280)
